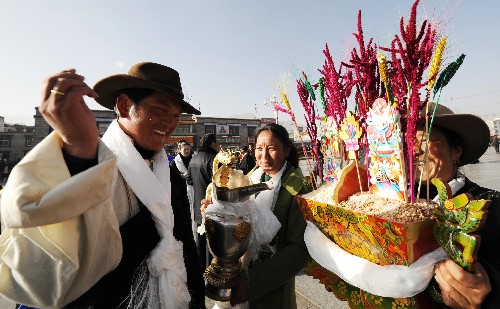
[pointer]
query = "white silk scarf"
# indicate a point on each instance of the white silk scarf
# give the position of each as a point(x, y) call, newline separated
point(268, 197)
point(180, 165)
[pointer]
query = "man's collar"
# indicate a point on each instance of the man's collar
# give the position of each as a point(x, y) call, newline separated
point(145, 153)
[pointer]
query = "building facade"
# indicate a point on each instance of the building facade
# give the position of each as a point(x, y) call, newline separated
point(16, 140)
point(185, 131)
point(232, 133)
point(102, 117)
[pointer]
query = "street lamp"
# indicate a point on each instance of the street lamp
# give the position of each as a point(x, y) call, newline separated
point(272, 102)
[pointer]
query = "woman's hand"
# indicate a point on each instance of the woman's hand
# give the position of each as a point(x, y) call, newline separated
point(204, 205)
point(459, 288)
point(64, 109)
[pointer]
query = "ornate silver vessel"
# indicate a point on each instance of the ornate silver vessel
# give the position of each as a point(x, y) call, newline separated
point(228, 237)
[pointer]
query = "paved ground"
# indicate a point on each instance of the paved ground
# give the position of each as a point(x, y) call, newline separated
point(312, 295)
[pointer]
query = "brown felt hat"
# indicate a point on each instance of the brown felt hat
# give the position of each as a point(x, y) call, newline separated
point(146, 75)
point(472, 130)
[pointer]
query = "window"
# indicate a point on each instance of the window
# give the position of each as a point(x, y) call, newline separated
point(210, 129)
point(251, 130)
point(234, 130)
point(183, 128)
point(4, 141)
point(4, 155)
point(28, 142)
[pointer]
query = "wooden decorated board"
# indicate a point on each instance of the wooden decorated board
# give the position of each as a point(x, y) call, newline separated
point(331, 148)
point(387, 166)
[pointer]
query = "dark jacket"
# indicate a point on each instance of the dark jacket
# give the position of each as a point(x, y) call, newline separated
point(183, 232)
point(271, 279)
point(488, 254)
point(246, 164)
point(200, 175)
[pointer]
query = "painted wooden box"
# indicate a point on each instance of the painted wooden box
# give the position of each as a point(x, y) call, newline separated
point(375, 239)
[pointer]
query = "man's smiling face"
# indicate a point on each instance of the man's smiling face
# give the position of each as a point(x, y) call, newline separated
point(152, 120)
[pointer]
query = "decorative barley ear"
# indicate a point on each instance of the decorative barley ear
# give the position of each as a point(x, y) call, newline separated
point(436, 63)
point(242, 231)
point(382, 65)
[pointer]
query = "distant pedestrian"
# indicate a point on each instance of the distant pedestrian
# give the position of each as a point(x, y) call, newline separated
point(5, 169)
point(251, 150)
point(245, 162)
point(180, 165)
point(496, 144)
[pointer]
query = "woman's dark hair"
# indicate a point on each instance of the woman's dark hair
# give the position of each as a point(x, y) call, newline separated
point(282, 134)
point(208, 139)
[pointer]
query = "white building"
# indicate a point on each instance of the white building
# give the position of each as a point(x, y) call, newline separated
point(491, 126)
point(496, 126)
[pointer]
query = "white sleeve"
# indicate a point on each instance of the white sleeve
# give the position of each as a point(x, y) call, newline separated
point(61, 232)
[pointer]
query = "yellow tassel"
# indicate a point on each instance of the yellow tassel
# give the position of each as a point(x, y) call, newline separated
point(382, 66)
point(436, 63)
point(285, 100)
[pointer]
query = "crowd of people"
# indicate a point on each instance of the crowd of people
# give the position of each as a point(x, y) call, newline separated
point(110, 223)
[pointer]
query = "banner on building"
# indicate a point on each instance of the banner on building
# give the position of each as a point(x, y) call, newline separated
point(174, 139)
point(265, 121)
point(222, 129)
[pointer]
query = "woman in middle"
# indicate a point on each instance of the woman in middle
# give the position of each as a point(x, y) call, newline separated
point(180, 165)
point(269, 281)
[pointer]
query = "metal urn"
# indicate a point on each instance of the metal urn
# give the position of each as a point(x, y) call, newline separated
point(228, 237)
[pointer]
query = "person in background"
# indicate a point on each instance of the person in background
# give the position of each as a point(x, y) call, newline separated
point(251, 150)
point(269, 281)
point(4, 169)
point(170, 157)
point(101, 223)
point(457, 140)
point(245, 161)
point(180, 165)
point(200, 175)
point(496, 144)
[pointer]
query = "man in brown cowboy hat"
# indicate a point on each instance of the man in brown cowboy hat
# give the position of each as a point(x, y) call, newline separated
point(101, 223)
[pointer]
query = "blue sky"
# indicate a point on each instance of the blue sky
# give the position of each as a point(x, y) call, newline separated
point(231, 54)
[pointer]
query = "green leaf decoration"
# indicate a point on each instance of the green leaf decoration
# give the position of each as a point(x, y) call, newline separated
point(322, 93)
point(456, 218)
